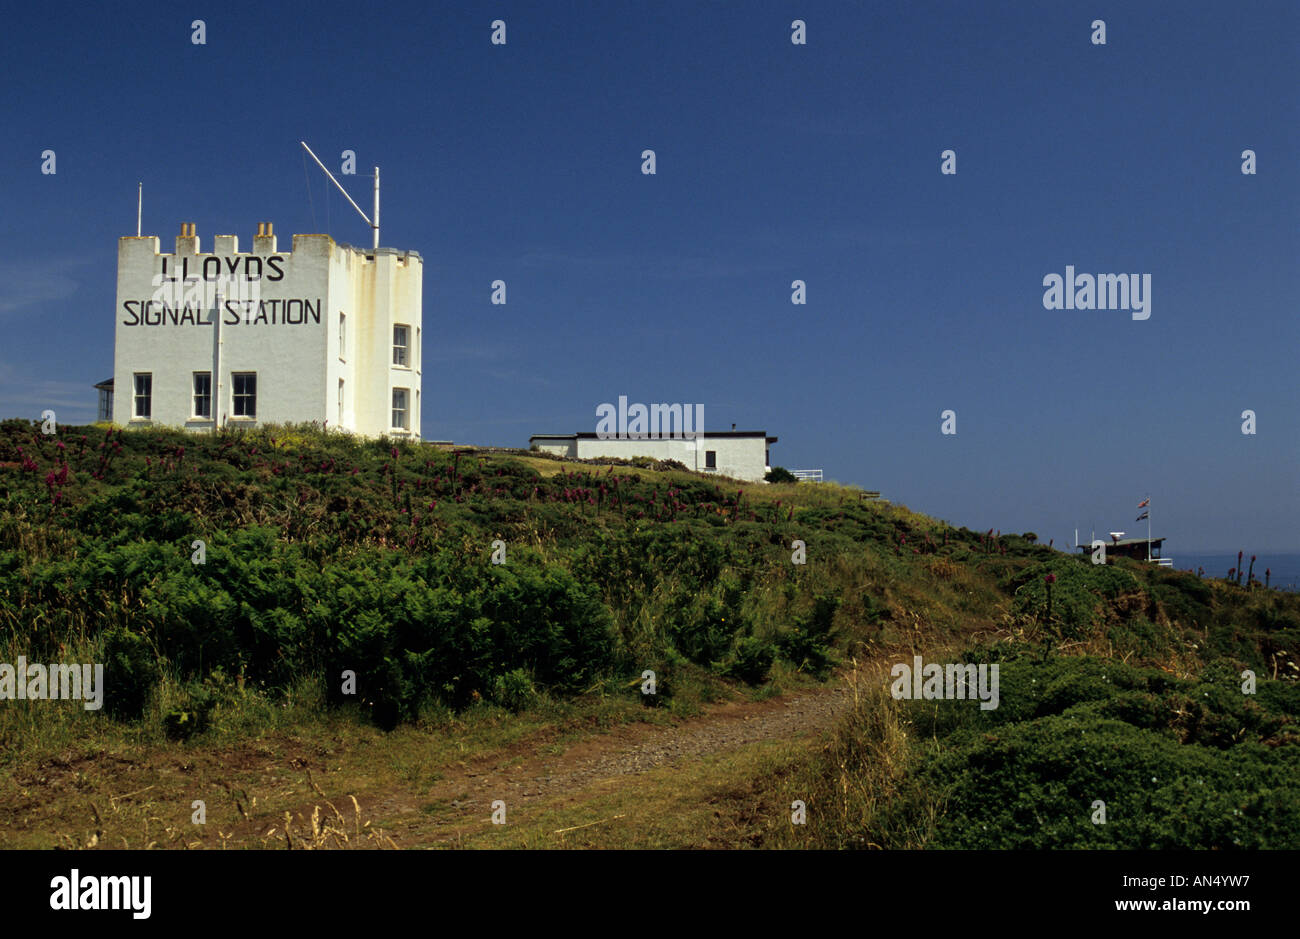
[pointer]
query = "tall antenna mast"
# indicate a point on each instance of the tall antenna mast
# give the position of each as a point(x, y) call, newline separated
point(139, 208)
point(374, 226)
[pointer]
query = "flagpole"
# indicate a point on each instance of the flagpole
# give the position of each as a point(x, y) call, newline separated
point(1148, 528)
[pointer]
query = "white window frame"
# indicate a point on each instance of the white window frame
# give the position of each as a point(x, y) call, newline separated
point(146, 395)
point(405, 410)
point(343, 337)
point(195, 396)
point(235, 396)
point(405, 346)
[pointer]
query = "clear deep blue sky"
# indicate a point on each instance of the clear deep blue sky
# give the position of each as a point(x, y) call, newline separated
point(775, 162)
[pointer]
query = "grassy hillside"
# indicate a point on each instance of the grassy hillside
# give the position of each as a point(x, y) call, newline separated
point(324, 555)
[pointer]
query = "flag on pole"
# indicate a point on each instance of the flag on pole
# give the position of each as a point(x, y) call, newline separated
point(1142, 516)
point(1144, 503)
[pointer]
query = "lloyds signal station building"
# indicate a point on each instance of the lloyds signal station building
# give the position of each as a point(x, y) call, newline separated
point(324, 332)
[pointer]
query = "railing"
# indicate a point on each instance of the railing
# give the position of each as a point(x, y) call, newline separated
point(812, 476)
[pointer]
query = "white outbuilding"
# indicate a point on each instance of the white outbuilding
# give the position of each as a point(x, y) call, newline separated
point(325, 332)
point(739, 454)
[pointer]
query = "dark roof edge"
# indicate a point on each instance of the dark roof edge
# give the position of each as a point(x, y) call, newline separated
point(592, 435)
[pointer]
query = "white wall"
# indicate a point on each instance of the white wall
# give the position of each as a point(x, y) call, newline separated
point(566, 447)
point(737, 457)
point(740, 457)
point(297, 362)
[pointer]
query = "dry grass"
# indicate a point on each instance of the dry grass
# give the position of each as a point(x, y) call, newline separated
point(863, 770)
point(328, 832)
point(135, 826)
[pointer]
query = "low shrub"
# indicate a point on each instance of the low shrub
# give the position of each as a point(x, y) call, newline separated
point(131, 671)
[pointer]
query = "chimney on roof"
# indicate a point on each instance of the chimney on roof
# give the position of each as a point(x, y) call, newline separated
point(187, 242)
point(733, 426)
point(264, 240)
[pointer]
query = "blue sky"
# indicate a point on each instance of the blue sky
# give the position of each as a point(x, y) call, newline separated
point(776, 162)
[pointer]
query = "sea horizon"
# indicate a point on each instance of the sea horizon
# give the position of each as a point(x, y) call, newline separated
point(1285, 565)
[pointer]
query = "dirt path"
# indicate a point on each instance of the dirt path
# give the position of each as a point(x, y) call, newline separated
point(524, 775)
point(145, 798)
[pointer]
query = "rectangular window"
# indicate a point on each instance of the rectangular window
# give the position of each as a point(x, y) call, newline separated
point(143, 406)
point(244, 390)
point(340, 402)
point(401, 414)
point(401, 345)
point(105, 404)
point(343, 336)
point(202, 394)
point(710, 459)
point(417, 365)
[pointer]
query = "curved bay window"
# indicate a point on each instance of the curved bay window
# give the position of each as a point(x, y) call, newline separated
point(401, 409)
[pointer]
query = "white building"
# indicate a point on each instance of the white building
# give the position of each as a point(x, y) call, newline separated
point(741, 454)
point(325, 332)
